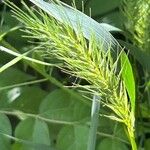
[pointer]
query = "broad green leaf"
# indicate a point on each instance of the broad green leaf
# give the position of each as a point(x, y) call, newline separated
point(20, 98)
point(5, 129)
point(78, 21)
point(128, 78)
point(111, 144)
point(33, 135)
point(26, 99)
point(13, 76)
point(73, 138)
point(63, 107)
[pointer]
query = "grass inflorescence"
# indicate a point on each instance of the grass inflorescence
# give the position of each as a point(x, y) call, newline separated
point(82, 58)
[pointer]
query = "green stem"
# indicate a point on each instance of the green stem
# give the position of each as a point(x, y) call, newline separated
point(23, 84)
point(132, 139)
point(133, 143)
point(94, 122)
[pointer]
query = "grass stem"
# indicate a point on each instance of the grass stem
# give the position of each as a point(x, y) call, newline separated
point(133, 143)
point(94, 122)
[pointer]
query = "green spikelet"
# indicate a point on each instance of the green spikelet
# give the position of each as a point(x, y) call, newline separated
point(137, 13)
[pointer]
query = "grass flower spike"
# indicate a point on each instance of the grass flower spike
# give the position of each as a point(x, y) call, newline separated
point(82, 58)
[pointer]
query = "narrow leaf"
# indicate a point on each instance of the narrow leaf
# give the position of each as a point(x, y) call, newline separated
point(79, 21)
point(128, 77)
point(110, 28)
point(12, 62)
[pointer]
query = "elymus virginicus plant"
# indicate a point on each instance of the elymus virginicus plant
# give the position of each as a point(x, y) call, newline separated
point(82, 58)
point(137, 13)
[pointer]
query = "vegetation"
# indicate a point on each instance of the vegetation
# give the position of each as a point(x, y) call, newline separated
point(66, 83)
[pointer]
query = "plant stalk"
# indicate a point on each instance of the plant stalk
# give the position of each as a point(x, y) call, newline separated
point(133, 143)
point(94, 122)
point(131, 137)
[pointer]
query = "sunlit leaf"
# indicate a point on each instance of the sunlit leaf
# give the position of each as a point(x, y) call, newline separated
point(128, 77)
point(79, 21)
